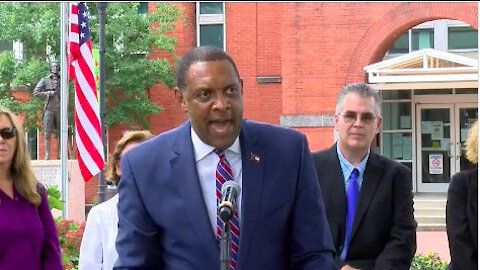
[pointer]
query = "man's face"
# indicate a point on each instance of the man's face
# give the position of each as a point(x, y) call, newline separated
point(213, 101)
point(54, 68)
point(357, 123)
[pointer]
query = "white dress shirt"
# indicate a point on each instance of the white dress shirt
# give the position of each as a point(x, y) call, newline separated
point(97, 250)
point(206, 161)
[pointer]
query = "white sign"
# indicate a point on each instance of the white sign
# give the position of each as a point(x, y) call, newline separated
point(435, 163)
point(437, 130)
point(426, 127)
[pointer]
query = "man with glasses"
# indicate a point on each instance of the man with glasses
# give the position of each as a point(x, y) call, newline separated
point(376, 229)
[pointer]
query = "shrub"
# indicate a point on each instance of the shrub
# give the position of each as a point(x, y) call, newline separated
point(428, 262)
point(69, 232)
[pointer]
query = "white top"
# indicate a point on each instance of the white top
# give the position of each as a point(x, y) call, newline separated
point(206, 161)
point(97, 250)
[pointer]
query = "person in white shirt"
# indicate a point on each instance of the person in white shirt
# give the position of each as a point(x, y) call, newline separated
point(97, 250)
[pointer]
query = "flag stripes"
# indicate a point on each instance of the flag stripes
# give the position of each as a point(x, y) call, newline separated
point(88, 136)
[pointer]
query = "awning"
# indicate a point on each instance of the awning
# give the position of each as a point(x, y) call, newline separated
point(424, 69)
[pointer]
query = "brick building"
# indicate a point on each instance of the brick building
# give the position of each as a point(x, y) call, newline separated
point(295, 57)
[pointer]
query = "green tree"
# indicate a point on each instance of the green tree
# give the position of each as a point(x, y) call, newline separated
point(129, 39)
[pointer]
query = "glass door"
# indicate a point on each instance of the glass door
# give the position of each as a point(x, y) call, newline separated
point(435, 147)
point(465, 114)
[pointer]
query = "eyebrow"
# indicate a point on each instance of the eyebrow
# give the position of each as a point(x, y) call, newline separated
point(360, 112)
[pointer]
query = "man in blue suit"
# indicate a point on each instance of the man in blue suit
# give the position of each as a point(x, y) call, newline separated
point(167, 194)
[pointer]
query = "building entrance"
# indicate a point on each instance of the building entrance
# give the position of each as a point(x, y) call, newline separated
point(441, 131)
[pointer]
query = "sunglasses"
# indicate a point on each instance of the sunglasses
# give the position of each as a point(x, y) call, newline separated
point(351, 117)
point(8, 133)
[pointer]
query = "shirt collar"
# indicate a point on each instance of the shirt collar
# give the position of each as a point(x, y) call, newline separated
point(202, 149)
point(361, 166)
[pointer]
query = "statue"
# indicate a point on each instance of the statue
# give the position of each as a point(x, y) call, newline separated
point(49, 88)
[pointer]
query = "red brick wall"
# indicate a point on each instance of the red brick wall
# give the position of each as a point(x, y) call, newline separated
point(326, 45)
point(316, 48)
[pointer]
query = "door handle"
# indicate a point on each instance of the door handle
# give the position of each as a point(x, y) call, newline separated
point(458, 150)
point(449, 150)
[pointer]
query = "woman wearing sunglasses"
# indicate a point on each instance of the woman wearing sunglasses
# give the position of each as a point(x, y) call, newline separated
point(97, 250)
point(28, 237)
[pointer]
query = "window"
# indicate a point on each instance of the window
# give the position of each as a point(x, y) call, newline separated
point(211, 24)
point(461, 38)
point(422, 38)
point(396, 135)
point(441, 35)
point(211, 8)
point(400, 45)
point(142, 8)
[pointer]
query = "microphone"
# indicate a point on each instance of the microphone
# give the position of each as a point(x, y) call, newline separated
point(228, 204)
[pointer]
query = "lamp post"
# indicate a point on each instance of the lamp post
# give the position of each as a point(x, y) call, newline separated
point(102, 6)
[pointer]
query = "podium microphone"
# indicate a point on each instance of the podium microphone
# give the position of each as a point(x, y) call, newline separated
point(228, 204)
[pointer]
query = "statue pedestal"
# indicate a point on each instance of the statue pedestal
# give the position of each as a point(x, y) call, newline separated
point(49, 172)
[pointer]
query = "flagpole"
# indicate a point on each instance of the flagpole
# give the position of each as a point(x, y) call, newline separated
point(102, 6)
point(63, 103)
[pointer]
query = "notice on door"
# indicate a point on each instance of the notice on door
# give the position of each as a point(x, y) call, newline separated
point(435, 163)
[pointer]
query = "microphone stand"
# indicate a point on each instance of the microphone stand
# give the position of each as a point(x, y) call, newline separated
point(225, 242)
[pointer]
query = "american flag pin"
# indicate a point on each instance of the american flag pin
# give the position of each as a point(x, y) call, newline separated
point(254, 158)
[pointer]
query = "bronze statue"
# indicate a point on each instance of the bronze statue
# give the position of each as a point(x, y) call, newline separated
point(49, 88)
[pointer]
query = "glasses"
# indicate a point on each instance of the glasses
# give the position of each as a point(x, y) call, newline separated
point(8, 133)
point(351, 117)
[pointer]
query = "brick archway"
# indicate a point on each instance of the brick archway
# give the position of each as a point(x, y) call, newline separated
point(381, 35)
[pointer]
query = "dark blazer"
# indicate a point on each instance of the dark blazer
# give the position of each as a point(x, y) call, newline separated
point(383, 233)
point(163, 220)
point(462, 223)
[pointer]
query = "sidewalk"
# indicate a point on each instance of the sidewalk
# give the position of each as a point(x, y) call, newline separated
point(435, 241)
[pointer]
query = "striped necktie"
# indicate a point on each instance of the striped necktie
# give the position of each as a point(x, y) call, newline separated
point(223, 174)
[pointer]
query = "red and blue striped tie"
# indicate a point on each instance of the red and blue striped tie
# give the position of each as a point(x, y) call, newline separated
point(223, 174)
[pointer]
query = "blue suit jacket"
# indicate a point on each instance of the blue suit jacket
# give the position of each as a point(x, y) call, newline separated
point(163, 220)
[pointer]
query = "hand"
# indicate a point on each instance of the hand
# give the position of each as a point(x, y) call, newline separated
point(50, 93)
point(348, 267)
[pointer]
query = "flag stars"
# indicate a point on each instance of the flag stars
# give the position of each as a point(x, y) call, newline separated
point(84, 14)
point(84, 24)
point(82, 35)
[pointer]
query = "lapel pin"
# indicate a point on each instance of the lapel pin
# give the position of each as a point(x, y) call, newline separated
point(255, 158)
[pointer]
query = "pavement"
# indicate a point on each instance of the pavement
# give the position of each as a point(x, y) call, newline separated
point(433, 241)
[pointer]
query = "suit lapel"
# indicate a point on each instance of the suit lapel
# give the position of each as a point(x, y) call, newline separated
point(252, 185)
point(336, 193)
point(371, 180)
point(187, 183)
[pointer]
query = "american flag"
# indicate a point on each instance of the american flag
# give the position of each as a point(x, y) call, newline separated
point(89, 145)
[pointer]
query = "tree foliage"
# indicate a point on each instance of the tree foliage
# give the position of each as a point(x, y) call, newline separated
point(129, 70)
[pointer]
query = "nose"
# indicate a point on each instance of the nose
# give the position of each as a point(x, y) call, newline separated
point(221, 102)
point(358, 120)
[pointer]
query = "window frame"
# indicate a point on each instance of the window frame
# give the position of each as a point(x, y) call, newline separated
point(460, 25)
point(209, 19)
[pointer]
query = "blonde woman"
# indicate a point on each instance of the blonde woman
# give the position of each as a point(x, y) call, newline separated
point(97, 250)
point(462, 210)
point(28, 237)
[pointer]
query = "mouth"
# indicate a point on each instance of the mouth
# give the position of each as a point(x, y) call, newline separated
point(220, 127)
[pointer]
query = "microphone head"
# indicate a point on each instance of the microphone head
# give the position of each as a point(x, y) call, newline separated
point(234, 186)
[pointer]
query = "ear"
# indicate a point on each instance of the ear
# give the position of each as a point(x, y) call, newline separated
point(378, 124)
point(335, 121)
point(180, 99)
point(241, 84)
